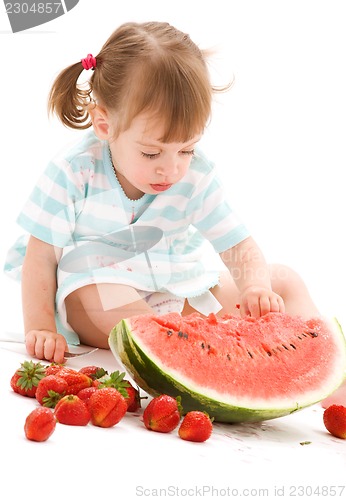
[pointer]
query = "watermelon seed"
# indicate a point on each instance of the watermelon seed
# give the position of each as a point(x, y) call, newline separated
point(285, 347)
point(313, 334)
point(249, 353)
point(292, 345)
point(269, 353)
point(169, 333)
point(228, 357)
point(202, 345)
point(183, 335)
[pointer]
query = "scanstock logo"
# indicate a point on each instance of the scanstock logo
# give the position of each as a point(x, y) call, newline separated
point(27, 14)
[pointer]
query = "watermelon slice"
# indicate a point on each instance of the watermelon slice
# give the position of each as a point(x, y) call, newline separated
point(235, 369)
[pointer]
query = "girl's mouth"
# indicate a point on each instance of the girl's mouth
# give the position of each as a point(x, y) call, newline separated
point(160, 187)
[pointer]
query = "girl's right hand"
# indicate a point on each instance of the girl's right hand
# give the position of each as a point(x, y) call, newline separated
point(44, 344)
point(257, 301)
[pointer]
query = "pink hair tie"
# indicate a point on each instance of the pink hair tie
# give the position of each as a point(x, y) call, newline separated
point(89, 62)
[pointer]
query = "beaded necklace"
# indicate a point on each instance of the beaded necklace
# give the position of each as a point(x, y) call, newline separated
point(132, 201)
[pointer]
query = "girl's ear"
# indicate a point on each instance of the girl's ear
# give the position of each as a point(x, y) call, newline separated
point(100, 121)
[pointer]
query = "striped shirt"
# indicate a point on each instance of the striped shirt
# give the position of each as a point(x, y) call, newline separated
point(155, 243)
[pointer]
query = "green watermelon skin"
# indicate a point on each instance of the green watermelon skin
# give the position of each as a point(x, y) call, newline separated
point(155, 381)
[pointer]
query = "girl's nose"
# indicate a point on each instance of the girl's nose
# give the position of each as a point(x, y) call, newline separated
point(168, 167)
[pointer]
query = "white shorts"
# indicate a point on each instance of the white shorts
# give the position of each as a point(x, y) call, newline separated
point(160, 302)
point(165, 302)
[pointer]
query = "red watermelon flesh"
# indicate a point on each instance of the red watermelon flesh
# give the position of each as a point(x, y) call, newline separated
point(274, 365)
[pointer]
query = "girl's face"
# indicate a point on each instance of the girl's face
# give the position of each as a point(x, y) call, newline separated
point(144, 164)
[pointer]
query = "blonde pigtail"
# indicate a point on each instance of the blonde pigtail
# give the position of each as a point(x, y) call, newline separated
point(68, 100)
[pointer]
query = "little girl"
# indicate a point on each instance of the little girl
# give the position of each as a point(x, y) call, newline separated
point(123, 223)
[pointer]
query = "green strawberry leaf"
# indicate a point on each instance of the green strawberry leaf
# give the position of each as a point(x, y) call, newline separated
point(101, 372)
point(115, 380)
point(52, 399)
point(30, 374)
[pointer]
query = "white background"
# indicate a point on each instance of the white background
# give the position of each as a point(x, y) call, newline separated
point(278, 136)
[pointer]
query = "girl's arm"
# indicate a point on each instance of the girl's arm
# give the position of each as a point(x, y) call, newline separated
point(38, 300)
point(250, 272)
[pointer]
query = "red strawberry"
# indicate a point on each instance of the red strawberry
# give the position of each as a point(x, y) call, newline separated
point(76, 380)
point(107, 407)
point(39, 424)
point(85, 393)
point(162, 413)
point(334, 418)
point(196, 426)
point(50, 389)
point(116, 380)
point(94, 372)
point(133, 398)
point(25, 380)
point(71, 410)
point(53, 369)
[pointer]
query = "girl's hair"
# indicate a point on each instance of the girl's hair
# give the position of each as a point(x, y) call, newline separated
point(149, 67)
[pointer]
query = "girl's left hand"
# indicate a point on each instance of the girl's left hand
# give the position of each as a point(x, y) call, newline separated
point(257, 301)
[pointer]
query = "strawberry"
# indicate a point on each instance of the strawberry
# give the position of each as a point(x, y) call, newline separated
point(126, 389)
point(196, 426)
point(25, 380)
point(76, 381)
point(39, 424)
point(53, 369)
point(133, 398)
point(107, 407)
point(85, 393)
point(334, 419)
point(115, 380)
point(71, 410)
point(162, 413)
point(50, 389)
point(94, 372)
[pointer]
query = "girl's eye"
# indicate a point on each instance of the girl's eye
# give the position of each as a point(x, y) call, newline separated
point(155, 155)
point(150, 155)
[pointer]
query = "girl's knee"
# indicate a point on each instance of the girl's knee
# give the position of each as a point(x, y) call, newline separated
point(291, 287)
point(283, 278)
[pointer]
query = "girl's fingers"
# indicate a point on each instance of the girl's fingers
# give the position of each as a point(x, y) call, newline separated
point(265, 305)
point(257, 306)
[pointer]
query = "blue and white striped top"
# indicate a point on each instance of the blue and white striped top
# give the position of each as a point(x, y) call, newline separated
point(154, 243)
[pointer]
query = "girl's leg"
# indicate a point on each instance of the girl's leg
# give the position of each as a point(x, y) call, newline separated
point(294, 292)
point(285, 282)
point(93, 310)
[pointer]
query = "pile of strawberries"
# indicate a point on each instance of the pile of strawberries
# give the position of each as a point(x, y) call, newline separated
point(91, 395)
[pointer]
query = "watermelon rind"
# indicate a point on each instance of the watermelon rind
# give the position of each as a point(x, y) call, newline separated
point(154, 380)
